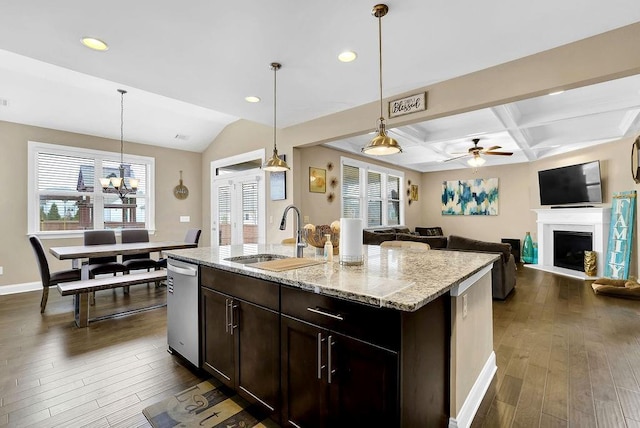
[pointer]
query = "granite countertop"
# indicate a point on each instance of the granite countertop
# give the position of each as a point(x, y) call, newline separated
point(399, 278)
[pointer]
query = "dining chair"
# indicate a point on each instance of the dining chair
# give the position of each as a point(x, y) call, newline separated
point(102, 265)
point(192, 237)
point(137, 261)
point(50, 279)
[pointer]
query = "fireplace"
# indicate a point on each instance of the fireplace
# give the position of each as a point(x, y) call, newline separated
point(593, 221)
point(569, 248)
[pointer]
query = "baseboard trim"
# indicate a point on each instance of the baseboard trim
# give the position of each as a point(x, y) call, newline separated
point(477, 393)
point(20, 288)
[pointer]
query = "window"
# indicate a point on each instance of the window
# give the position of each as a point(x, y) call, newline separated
point(372, 193)
point(65, 196)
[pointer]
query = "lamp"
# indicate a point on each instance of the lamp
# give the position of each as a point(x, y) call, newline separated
point(382, 144)
point(476, 161)
point(275, 164)
point(119, 184)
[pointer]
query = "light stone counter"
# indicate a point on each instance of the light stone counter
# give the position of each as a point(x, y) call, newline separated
point(397, 278)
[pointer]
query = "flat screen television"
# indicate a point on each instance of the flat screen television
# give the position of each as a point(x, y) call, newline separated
point(574, 184)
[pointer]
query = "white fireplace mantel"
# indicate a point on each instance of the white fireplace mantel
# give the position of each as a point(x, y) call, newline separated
point(594, 220)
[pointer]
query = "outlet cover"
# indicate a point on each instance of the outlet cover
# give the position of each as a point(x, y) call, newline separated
point(1, 270)
point(465, 308)
point(185, 219)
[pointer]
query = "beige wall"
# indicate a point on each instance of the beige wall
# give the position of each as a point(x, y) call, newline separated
point(316, 205)
point(16, 255)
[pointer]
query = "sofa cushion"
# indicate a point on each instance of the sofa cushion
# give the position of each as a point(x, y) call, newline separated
point(433, 241)
point(429, 231)
point(460, 243)
point(376, 238)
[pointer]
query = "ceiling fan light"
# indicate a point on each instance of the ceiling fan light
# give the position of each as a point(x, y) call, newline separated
point(476, 161)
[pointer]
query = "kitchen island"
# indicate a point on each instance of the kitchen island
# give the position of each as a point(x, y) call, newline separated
point(403, 340)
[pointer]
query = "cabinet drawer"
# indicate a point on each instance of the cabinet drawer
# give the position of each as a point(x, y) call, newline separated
point(254, 290)
point(380, 326)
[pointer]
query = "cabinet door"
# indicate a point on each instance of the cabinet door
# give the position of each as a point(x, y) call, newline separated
point(258, 357)
point(303, 364)
point(363, 383)
point(217, 341)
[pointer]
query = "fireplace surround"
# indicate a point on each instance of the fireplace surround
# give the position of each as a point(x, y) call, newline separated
point(590, 220)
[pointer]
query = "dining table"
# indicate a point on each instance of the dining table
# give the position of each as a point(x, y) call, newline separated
point(78, 252)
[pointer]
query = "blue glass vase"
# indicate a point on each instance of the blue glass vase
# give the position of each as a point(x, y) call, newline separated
point(527, 249)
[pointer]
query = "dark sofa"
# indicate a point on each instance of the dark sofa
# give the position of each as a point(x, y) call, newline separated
point(503, 274)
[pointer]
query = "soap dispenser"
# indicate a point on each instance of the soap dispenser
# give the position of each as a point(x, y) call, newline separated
point(328, 248)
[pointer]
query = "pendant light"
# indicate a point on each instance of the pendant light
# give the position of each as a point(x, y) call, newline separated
point(382, 144)
point(119, 184)
point(275, 164)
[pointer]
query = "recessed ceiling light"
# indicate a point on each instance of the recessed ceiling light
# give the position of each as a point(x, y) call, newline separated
point(347, 56)
point(252, 99)
point(556, 93)
point(95, 44)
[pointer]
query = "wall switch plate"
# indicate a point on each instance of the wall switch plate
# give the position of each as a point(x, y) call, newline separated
point(464, 306)
point(306, 218)
point(270, 219)
point(1, 270)
point(185, 219)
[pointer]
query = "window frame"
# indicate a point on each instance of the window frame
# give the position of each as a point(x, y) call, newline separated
point(33, 194)
point(363, 169)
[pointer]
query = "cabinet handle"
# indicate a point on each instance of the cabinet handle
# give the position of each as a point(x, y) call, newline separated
point(326, 314)
point(232, 307)
point(226, 315)
point(320, 366)
point(329, 370)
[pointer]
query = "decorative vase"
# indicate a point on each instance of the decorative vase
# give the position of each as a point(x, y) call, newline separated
point(590, 263)
point(535, 253)
point(527, 249)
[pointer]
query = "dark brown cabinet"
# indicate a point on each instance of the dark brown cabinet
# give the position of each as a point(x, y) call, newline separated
point(313, 360)
point(241, 340)
point(331, 379)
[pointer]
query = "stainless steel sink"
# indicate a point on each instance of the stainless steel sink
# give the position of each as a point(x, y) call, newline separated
point(256, 258)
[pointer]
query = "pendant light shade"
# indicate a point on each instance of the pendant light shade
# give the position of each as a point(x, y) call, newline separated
point(382, 144)
point(274, 163)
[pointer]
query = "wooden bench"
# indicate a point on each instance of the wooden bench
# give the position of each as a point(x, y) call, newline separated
point(81, 289)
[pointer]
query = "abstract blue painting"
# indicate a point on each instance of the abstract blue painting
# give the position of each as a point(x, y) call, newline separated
point(470, 197)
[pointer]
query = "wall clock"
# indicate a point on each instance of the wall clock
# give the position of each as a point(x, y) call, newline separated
point(635, 161)
point(181, 191)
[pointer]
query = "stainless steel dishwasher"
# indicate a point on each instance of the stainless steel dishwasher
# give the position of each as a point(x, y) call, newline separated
point(182, 310)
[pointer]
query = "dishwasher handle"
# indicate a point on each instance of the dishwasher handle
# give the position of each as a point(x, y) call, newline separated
point(188, 271)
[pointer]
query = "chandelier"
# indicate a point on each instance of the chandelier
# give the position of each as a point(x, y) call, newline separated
point(119, 185)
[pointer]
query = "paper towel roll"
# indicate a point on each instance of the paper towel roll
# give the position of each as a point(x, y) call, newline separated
point(351, 241)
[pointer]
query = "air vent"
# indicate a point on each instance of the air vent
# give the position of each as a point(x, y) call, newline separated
point(182, 137)
point(4, 102)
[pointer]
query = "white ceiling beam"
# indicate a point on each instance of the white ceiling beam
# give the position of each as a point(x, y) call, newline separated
point(505, 115)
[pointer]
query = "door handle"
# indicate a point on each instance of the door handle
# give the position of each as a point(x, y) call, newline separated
point(226, 315)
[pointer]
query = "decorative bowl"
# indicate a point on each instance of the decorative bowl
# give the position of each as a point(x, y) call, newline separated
point(315, 236)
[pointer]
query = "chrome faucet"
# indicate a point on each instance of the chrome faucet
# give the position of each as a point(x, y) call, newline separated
point(283, 225)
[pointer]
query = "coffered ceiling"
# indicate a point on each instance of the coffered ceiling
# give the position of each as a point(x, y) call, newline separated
point(189, 65)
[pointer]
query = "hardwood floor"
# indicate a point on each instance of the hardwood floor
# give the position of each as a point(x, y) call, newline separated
point(54, 374)
point(565, 356)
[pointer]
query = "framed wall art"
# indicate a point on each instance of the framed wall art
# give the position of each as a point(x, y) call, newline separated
point(470, 197)
point(317, 180)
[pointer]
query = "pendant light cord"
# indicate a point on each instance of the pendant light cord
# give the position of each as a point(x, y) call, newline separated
point(380, 61)
point(121, 128)
point(275, 71)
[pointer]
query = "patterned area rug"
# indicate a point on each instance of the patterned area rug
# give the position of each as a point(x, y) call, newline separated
point(208, 404)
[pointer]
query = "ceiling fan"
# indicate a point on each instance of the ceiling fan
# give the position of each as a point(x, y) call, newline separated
point(476, 151)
